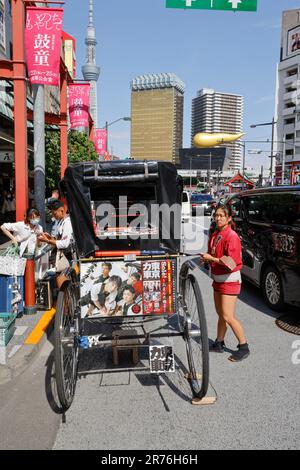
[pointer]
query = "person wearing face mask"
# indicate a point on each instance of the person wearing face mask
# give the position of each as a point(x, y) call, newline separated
point(24, 234)
point(64, 233)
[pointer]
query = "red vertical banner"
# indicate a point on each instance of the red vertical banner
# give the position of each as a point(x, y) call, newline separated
point(292, 176)
point(158, 293)
point(43, 41)
point(100, 141)
point(79, 103)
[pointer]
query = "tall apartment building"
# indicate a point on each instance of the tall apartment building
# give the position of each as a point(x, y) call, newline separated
point(287, 105)
point(156, 117)
point(219, 112)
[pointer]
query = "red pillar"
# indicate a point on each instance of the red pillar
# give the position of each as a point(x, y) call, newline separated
point(20, 108)
point(29, 288)
point(63, 124)
point(91, 124)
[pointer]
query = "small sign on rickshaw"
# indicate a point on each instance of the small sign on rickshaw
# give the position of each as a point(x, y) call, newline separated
point(161, 359)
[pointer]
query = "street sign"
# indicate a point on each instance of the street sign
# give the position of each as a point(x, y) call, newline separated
point(7, 156)
point(233, 5)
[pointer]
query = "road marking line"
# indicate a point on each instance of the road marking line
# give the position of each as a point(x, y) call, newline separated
point(2, 354)
point(37, 333)
point(14, 350)
point(20, 330)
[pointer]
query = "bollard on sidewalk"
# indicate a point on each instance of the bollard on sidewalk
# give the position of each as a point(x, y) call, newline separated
point(29, 287)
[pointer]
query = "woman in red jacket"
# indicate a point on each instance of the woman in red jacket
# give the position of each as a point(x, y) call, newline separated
point(225, 257)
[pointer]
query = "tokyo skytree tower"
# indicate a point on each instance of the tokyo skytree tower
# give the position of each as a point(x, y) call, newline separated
point(90, 70)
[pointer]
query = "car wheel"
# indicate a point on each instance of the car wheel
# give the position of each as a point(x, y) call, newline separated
point(272, 288)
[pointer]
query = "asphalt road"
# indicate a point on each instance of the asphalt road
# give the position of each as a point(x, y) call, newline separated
point(257, 406)
point(28, 409)
point(258, 399)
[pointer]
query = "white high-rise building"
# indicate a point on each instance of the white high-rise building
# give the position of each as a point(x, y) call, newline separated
point(219, 112)
point(90, 70)
point(287, 105)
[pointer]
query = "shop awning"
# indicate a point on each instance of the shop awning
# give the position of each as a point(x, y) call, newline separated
point(7, 102)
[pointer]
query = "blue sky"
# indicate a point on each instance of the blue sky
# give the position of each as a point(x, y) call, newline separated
point(230, 52)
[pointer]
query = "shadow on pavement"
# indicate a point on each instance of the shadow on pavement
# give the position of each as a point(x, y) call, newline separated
point(50, 386)
point(50, 382)
point(252, 296)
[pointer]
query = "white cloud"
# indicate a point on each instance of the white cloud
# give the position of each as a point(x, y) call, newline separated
point(119, 135)
point(265, 99)
point(268, 24)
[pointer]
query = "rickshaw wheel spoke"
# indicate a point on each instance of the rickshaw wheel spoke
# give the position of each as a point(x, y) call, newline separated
point(66, 346)
point(193, 324)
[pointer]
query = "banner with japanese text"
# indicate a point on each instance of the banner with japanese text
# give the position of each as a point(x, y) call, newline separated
point(79, 103)
point(43, 42)
point(100, 141)
point(135, 289)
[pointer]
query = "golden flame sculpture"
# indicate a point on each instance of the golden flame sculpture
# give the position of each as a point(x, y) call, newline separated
point(205, 140)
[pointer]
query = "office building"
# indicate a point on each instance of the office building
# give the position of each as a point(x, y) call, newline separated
point(219, 112)
point(156, 117)
point(287, 105)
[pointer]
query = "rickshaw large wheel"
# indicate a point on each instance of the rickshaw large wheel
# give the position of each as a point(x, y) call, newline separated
point(66, 345)
point(193, 325)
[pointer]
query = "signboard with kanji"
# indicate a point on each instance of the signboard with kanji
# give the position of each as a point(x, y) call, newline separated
point(7, 156)
point(100, 141)
point(43, 42)
point(233, 5)
point(161, 359)
point(79, 104)
point(121, 289)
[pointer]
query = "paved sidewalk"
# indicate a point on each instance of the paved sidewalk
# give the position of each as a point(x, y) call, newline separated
point(16, 356)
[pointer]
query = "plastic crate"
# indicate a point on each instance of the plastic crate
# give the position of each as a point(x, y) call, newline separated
point(8, 292)
point(7, 327)
point(6, 319)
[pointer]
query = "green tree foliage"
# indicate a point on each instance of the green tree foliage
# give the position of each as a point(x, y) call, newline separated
point(80, 149)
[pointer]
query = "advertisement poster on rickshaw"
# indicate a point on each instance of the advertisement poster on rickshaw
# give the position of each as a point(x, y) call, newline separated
point(117, 288)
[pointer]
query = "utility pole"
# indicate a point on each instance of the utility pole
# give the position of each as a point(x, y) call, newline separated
point(39, 149)
point(218, 180)
point(39, 145)
point(272, 145)
point(283, 162)
point(272, 152)
point(261, 177)
point(244, 163)
point(106, 128)
point(208, 183)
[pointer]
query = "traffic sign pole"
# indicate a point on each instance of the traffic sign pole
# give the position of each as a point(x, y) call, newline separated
point(230, 5)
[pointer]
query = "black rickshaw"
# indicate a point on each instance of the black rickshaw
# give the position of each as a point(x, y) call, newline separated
point(128, 272)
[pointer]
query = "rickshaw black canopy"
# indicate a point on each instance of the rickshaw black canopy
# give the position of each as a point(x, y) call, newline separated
point(133, 177)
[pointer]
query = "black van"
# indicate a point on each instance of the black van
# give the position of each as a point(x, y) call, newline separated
point(268, 223)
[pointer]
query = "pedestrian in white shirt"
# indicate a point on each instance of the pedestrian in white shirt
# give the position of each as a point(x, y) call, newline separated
point(64, 233)
point(9, 207)
point(24, 234)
